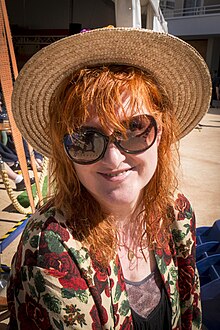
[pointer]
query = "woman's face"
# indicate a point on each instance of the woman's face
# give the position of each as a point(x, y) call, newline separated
point(117, 180)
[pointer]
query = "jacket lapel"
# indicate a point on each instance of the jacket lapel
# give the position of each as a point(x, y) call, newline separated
point(166, 262)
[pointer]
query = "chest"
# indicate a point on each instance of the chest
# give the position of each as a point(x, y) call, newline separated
point(136, 264)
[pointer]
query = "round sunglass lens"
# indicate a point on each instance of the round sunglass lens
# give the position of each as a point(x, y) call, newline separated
point(84, 147)
point(140, 135)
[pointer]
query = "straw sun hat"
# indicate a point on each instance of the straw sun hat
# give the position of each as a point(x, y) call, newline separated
point(176, 65)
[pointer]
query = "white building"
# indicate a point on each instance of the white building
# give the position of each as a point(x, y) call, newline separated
point(36, 23)
point(140, 13)
point(198, 23)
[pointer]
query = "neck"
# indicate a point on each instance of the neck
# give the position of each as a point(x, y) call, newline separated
point(130, 230)
point(126, 221)
point(123, 213)
point(132, 244)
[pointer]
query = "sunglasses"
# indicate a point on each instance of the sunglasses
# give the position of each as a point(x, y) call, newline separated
point(88, 145)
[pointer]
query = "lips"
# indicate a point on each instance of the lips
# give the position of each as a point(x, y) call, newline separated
point(111, 175)
point(116, 175)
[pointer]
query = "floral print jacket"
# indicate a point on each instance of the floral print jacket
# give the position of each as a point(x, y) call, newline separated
point(56, 284)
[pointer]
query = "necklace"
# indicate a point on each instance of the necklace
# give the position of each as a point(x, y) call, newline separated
point(139, 254)
point(130, 254)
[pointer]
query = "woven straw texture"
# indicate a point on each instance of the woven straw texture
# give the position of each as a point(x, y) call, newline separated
point(176, 65)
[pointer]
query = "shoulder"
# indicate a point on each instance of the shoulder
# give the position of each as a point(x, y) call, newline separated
point(183, 211)
point(46, 232)
point(46, 219)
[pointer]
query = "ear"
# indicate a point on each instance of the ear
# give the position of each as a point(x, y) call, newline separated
point(159, 134)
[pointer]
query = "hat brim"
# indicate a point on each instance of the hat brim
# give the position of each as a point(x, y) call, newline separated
point(176, 65)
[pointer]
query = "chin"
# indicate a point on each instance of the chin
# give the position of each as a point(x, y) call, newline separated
point(116, 204)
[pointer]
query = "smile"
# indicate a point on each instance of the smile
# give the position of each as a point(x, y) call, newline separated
point(117, 175)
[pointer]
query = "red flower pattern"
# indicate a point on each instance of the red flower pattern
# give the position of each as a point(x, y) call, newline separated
point(30, 258)
point(62, 263)
point(127, 324)
point(57, 228)
point(72, 273)
point(164, 252)
point(186, 276)
point(193, 226)
point(183, 207)
point(121, 281)
point(96, 325)
point(32, 315)
point(116, 314)
point(187, 320)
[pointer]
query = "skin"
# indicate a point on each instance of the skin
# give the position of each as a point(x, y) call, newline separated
point(11, 174)
point(117, 180)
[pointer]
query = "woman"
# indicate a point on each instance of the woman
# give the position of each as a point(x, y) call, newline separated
point(9, 156)
point(115, 246)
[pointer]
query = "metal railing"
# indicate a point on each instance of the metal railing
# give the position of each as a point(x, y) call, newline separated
point(35, 39)
point(192, 11)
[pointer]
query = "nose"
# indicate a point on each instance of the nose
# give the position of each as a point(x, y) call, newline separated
point(113, 157)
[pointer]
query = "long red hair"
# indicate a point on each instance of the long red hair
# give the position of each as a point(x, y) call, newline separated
point(102, 87)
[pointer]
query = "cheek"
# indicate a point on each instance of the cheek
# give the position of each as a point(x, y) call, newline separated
point(149, 162)
point(84, 173)
point(81, 172)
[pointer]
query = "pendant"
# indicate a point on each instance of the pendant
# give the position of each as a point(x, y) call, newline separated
point(130, 254)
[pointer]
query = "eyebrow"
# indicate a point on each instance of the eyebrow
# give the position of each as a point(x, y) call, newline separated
point(97, 125)
point(99, 128)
